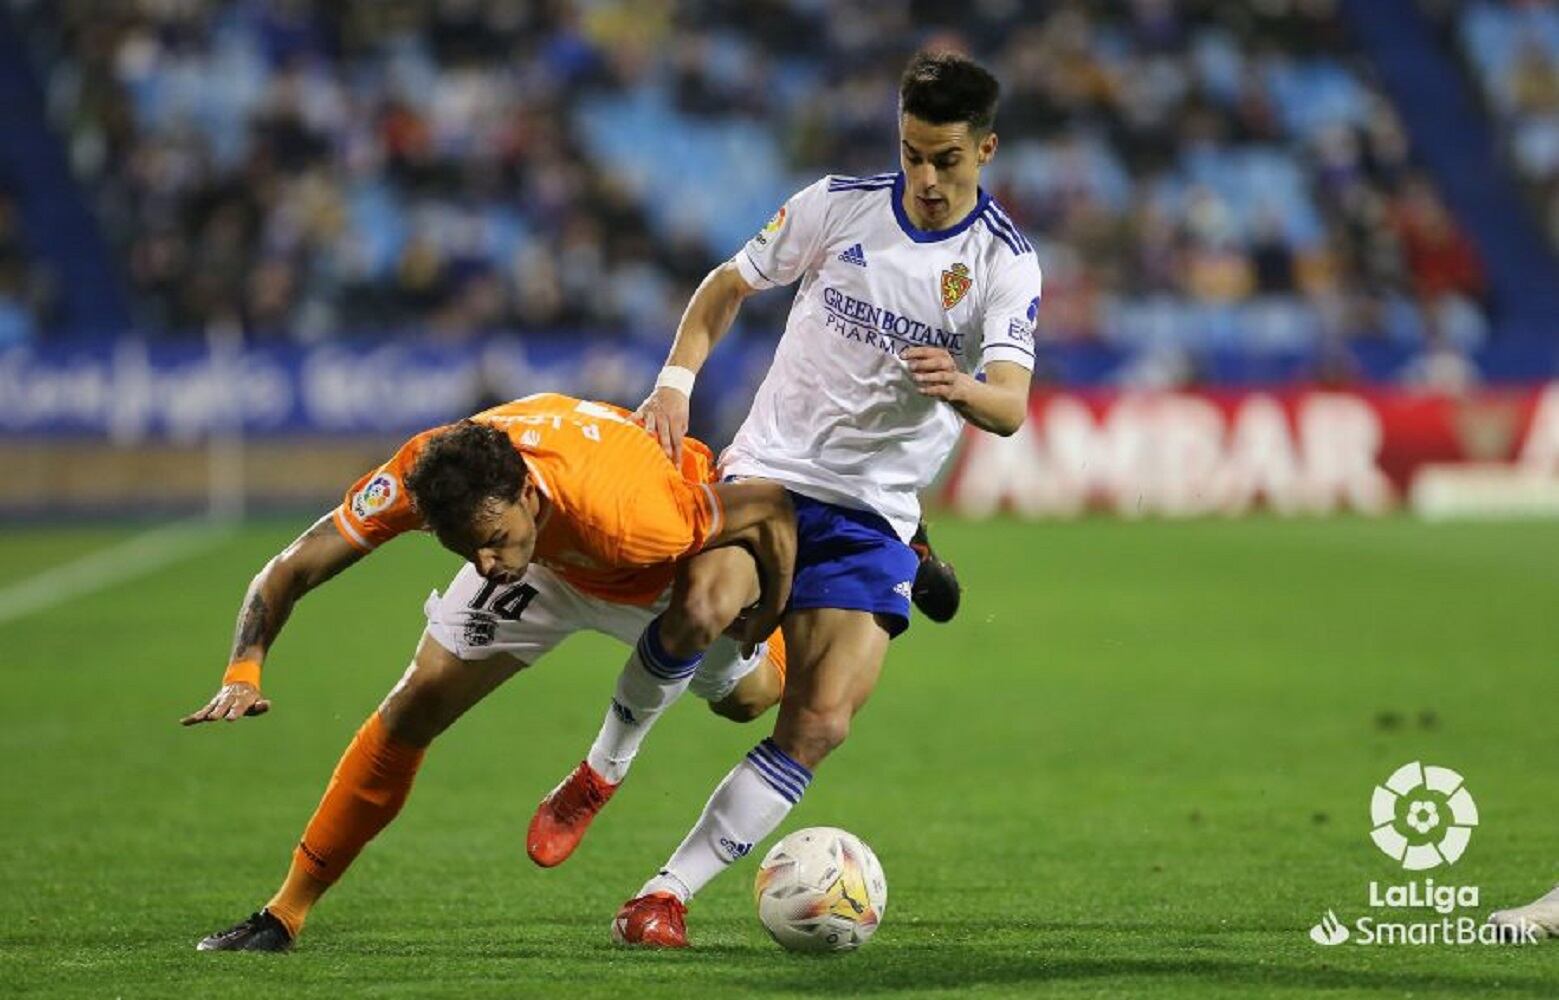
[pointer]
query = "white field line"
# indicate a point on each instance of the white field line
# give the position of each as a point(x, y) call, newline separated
point(134, 557)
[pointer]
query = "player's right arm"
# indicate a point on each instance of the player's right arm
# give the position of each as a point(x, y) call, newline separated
point(778, 255)
point(708, 317)
point(375, 509)
point(313, 557)
point(759, 516)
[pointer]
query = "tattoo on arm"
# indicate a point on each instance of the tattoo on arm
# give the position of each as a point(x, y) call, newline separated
point(254, 625)
point(266, 608)
point(316, 556)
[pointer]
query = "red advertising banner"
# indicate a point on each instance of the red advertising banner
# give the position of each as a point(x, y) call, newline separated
point(1297, 451)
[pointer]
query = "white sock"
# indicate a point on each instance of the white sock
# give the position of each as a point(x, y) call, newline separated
point(724, 667)
point(650, 681)
point(748, 805)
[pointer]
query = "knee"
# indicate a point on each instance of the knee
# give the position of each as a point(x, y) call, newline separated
point(815, 733)
point(830, 729)
point(416, 711)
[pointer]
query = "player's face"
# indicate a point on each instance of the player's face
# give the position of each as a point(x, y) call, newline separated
point(502, 539)
point(942, 167)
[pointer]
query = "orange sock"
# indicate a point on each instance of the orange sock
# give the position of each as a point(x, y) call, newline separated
point(368, 788)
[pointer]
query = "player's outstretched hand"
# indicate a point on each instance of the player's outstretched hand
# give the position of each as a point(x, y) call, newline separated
point(935, 372)
point(664, 414)
point(233, 702)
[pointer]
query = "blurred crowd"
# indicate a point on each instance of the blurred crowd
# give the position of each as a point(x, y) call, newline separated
point(1197, 174)
point(1215, 174)
point(302, 169)
point(1511, 48)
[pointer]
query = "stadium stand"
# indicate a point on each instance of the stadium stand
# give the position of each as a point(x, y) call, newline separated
point(1219, 191)
point(372, 166)
point(1512, 50)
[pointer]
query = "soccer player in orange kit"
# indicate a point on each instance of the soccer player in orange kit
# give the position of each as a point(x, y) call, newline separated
point(570, 517)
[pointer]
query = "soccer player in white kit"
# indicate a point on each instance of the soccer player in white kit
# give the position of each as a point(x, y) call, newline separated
point(915, 314)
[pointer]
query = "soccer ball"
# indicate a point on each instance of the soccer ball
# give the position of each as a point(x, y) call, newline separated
point(821, 889)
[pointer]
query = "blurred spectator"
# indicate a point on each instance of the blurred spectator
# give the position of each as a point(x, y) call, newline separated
point(27, 293)
point(1441, 369)
point(1512, 49)
point(1440, 259)
point(1196, 174)
point(305, 169)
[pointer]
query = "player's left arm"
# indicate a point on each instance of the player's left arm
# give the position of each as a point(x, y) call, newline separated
point(998, 404)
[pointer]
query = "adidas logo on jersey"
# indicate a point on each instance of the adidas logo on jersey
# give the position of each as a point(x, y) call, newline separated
point(854, 255)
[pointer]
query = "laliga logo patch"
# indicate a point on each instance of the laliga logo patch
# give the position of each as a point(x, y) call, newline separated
point(775, 222)
point(955, 284)
point(1422, 816)
point(376, 496)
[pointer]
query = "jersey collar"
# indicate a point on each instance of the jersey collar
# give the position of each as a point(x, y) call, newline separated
point(932, 235)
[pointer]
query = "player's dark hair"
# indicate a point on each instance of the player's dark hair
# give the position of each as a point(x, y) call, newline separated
point(462, 471)
point(945, 87)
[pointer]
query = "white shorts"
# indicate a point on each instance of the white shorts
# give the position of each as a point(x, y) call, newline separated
point(475, 618)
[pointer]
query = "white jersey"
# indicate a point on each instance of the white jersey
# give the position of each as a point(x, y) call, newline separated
point(838, 417)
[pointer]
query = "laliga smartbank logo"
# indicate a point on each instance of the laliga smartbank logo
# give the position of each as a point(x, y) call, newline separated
point(1421, 817)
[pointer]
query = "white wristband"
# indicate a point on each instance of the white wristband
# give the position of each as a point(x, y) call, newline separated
point(678, 378)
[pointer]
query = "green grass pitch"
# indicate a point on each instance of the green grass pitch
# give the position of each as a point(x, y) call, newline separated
point(1139, 763)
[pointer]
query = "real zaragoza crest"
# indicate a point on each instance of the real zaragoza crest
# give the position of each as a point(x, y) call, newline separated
point(955, 284)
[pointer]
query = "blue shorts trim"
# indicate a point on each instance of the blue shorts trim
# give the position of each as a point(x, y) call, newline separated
point(852, 560)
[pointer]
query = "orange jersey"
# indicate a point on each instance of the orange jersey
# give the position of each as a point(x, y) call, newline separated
point(619, 513)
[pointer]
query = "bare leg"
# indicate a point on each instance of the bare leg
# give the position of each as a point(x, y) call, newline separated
point(709, 592)
point(835, 658)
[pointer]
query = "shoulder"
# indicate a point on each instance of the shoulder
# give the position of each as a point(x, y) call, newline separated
point(840, 183)
point(1009, 257)
point(1004, 233)
point(831, 201)
point(845, 200)
point(846, 195)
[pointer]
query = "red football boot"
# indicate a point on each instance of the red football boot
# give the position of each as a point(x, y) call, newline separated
point(658, 920)
point(565, 814)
